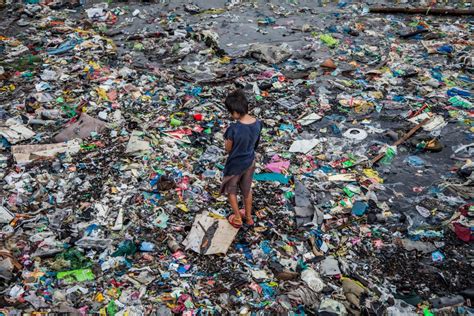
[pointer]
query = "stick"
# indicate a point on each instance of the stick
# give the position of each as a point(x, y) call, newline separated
point(427, 11)
point(408, 35)
point(403, 139)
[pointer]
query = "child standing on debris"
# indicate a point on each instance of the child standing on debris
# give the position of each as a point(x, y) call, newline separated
point(241, 141)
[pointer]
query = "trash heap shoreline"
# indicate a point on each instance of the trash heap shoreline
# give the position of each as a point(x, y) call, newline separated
point(111, 154)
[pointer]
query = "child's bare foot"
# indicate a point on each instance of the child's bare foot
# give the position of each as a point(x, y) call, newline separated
point(235, 220)
point(248, 217)
point(249, 221)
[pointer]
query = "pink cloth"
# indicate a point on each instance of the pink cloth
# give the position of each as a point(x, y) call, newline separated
point(278, 166)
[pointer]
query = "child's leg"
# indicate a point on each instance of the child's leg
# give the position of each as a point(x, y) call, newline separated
point(246, 189)
point(229, 187)
point(234, 204)
point(248, 200)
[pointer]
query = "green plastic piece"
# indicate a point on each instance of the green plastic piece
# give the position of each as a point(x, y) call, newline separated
point(79, 275)
point(288, 195)
point(460, 102)
point(347, 163)
point(111, 308)
point(427, 312)
point(348, 192)
point(389, 156)
point(329, 40)
point(125, 248)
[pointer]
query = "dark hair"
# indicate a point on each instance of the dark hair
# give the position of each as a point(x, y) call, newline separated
point(237, 102)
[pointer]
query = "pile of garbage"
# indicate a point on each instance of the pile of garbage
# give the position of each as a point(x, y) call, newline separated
point(111, 152)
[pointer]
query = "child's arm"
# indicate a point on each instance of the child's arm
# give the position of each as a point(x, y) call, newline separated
point(228, 138)
point(228, 145)
point(258, 138)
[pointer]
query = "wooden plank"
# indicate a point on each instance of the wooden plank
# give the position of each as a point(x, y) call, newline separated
point(403, 139)
point(426, 11)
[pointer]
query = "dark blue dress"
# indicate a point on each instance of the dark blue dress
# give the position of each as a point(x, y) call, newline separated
point(245, 139)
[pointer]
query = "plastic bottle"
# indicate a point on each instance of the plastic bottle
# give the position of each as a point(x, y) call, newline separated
point(173, 245)
point(50, 114)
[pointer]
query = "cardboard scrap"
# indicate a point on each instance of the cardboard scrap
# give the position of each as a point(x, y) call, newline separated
point(303, 145)
point(349, 177)
point(137, 144)
point(81, 128)
point(436, 121)
point(330, 266)
point(6, 269)
point(5, 215)
point(27, 153)
point(309, 119)
point(16, 133)
point(210, 235)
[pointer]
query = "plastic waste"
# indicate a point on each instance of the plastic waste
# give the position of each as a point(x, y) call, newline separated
point(446, 301)
point(312, 279)
point(328, 40)
point(112, 118)
point(415, 161)
point(76, 275)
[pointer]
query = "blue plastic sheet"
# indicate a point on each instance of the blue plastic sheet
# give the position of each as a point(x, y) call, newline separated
point(65, 47)
point(268, 291)
point(359, 208)
point(244, 247)
point(272, 177)
point(456, 91)
point(445, 49)
point(415, 161)
point(147, 246)
point(265, 246)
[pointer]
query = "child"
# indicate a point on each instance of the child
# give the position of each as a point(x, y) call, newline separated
point(241, 140)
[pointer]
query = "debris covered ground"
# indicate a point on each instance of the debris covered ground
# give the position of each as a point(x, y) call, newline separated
point(111, 130)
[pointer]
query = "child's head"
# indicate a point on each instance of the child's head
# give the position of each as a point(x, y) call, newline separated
point(237, 104)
